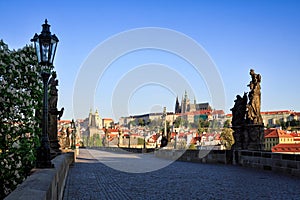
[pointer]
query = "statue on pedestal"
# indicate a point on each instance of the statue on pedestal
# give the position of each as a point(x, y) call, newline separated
point(247, 122)
point(253, 108)
point(54, 114)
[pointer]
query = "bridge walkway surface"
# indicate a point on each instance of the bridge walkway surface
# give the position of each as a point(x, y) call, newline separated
point(119, 175)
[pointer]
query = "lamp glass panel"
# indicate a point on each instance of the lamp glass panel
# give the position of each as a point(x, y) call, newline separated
point(53, 50)
point(45, 52)
point(37, 50)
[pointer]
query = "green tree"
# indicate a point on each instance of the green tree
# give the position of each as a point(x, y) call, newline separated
point(201, 129)
point(202, 126)
point(131, 123)
point(177, 122)
point(141, 122)
point(227, 137)
point(227, 124)
point(20, 103)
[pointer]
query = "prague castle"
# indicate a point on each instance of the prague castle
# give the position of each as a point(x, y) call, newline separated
point(186, 105)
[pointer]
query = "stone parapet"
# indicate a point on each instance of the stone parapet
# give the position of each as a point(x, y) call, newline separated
point(120, 149)
point(282, 163)
point(277, 162)
point(46, 184)
point(202, 156)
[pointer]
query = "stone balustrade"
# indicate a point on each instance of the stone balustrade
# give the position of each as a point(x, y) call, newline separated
point(277, 162)
point(283, 163)
point(202, 156)
point(46, 184)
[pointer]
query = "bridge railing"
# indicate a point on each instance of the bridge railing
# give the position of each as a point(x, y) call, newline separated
point(47, 184)
point(277, 162)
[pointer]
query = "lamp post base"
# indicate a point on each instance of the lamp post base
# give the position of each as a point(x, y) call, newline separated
point(43, 158)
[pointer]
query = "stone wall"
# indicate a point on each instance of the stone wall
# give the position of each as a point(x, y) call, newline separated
point(202, 156)
point(284, 163)
point(120, 149)
point(46, 184)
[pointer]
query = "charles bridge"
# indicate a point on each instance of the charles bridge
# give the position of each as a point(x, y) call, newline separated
point(245, 172)
point(112, 173)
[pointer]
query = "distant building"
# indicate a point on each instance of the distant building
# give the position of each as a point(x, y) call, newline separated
point(187, 106)
point(146, 118)
point(108, 123)
point(273, 118)
point(94, 123)
point(274, 137)
point(270, 118)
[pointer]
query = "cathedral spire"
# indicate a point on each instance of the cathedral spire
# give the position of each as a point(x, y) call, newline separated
point(177, 106)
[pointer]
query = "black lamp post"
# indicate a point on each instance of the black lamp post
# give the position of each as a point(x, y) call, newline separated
point(73, 134)
point(144, 147)
point(45, 46)
point(105, 136)
point(119, 135)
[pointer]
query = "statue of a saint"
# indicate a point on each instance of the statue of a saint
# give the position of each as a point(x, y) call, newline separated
point(239, 110)
point(253, 107)
point(53, 83)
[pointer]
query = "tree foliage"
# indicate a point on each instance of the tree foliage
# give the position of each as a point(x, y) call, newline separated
point(227, 123)
point(227, 138)
point(21, 98)
point(141, 122)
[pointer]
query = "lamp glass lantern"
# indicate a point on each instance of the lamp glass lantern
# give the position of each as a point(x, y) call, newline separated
point(45, 45)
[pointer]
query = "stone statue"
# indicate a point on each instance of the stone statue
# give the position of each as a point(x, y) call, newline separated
point(53, 83)
point(253, 107)
point(239, 110)
point(67, 141)
point(53, 114)
point(247, 123)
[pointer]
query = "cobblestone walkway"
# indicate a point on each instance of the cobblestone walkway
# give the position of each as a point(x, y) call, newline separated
point(89, 178)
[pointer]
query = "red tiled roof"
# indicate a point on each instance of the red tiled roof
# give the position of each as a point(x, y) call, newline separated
point(295, 134)
point(276, 112)
point(276, 133)
point(64, 121)
point(108, 119)
point(286, 148)
point(297, 113)
point(195, 139)
point(113, 130)
point(218, 112)
point(198, 112)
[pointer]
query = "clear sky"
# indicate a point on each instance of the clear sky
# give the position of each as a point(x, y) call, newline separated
point(237, 35)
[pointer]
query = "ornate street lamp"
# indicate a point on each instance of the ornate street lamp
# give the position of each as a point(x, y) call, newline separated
point(73, 134)
point(45, 46)
point(105, 136)
point(119, 135)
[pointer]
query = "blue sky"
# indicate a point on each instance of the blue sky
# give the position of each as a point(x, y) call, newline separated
point(237, 35)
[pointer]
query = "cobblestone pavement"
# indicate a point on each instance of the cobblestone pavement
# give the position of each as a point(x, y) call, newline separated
point(90, 178)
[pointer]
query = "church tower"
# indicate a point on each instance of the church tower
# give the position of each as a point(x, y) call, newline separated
point(185, 103)
point(90, 117)
point(177, 106)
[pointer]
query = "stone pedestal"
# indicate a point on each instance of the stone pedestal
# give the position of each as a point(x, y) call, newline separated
point(52, 132)
point(250, 137)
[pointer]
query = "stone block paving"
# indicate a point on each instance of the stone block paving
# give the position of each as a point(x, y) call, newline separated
point(90, 179)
